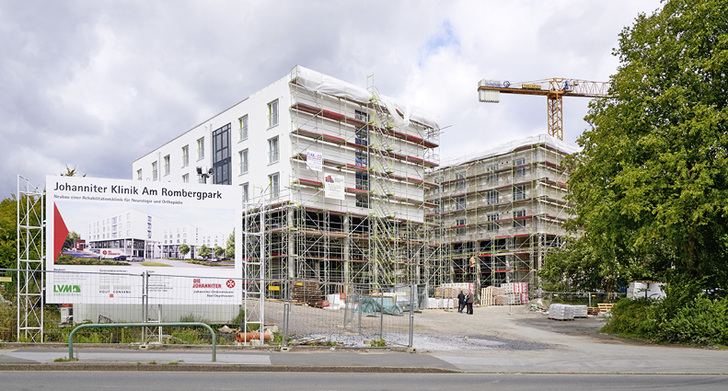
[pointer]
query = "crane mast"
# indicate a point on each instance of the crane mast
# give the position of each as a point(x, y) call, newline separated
point(554, 89)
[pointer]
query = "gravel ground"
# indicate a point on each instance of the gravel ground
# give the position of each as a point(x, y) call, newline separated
point(501, 327)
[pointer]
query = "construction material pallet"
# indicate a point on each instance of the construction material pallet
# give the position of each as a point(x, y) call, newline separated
point(605, 307)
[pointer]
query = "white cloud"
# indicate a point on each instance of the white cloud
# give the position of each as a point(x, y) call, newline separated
point(97, 84)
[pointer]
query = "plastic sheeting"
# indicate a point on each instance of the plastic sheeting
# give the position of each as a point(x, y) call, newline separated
point(332, 86)
point(513, 145)
point(373, 305)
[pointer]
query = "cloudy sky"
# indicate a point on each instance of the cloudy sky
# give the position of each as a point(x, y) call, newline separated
point(95, 84)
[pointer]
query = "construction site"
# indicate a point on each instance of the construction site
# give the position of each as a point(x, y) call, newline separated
point(353, 191)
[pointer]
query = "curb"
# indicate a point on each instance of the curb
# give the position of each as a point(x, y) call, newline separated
point(121, 367)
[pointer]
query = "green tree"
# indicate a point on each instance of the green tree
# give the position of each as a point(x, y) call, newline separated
point(71, 172)
point(230, 248)
point(204, 251)
point(8, 225)
point(68, 243)
point(219, 252)
point(183, 249)
point(650, 186)
point(8, 233)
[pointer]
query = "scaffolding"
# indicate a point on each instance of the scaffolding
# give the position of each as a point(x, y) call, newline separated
point(374, 231)
point(30, 260)
point(499, 214)
point(254, 262)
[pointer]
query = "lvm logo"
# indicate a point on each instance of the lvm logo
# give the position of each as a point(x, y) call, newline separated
point(66, 289)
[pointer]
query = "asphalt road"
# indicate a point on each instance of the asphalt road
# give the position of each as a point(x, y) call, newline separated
point(144, 381)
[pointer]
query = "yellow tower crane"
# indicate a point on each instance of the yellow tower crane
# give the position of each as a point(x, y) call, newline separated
point(554, 90)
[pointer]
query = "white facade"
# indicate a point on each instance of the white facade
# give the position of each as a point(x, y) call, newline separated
point(178, 160)
point(131, 233)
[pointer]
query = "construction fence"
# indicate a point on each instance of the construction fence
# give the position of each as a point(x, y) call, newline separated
point(289, 312)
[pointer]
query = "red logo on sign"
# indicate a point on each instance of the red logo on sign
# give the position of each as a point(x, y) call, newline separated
point(230, 284)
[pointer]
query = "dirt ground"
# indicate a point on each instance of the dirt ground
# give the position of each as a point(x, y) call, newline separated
point(506, 321)
point(503, 327)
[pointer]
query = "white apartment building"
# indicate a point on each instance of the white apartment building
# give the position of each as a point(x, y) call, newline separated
point(132, 233)
point(195, 237)
point(336, 170)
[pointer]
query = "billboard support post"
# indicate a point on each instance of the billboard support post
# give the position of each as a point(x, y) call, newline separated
point(30, 242)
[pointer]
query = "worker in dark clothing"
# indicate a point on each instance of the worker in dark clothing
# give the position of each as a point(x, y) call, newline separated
point(461, 302)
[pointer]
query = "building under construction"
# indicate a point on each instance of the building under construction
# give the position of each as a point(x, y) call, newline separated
point(498, 214)
point(333, 179)
point(341, 184)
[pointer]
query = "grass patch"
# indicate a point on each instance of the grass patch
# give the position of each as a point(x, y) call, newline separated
point(378, 343)
point(65, 259)
point(155, 264)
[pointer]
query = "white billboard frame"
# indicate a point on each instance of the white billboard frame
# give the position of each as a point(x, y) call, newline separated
point(82, 204)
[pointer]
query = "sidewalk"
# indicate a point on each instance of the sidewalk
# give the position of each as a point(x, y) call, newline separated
point(579, 358)
point(341, 360)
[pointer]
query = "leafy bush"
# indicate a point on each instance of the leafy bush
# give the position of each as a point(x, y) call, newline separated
point(632, 319)
point(699, 321)
point(703, 322)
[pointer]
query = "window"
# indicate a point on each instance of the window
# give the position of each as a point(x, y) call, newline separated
point(274, 182)
point(519, 192)
point(361, 158)
point(459, 203)
point(154, 171)
point(361, 115)
point(245, 192)
point(362, 181)
point(492, 222)
point(273, 150)
point(243, 132)
point(273, 113)
point(200, 148)
point(243, 161)
point(518, 220)
point(139, 174)
point(221, 156)
point(491, 197)
point(166, 165)
point(438, 206)
point(361, 135)
point(492, 178)
point(362, 200)
point(185, 156)
point(460, 177)
point(186, 178)
point(461, 226)
point(519, 171)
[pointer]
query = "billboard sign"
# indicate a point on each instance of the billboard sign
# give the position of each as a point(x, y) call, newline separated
point(334, 186)
point(314, 160)
point(165, 231)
